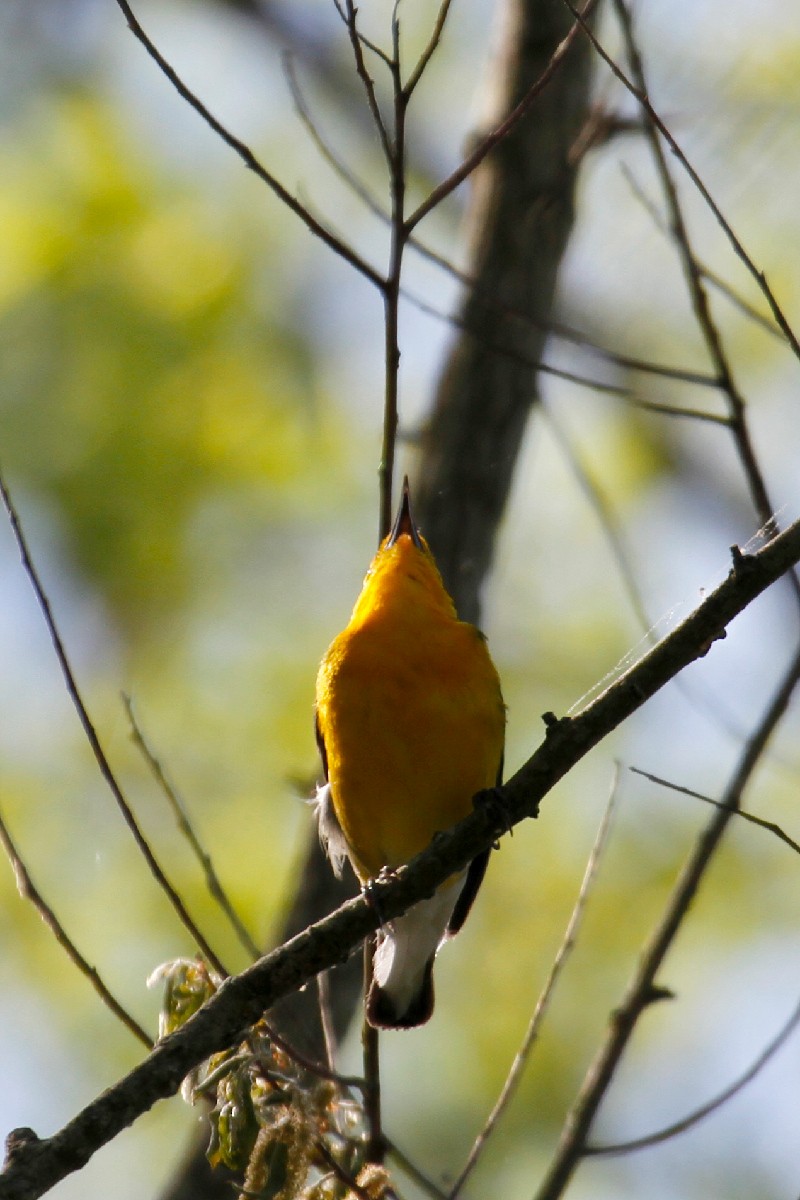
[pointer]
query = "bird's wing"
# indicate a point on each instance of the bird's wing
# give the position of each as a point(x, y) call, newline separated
point(475, 874)
point(323, 753)
point(331, 836)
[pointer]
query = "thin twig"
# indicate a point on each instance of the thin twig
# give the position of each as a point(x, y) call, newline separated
point(29, 891)
point(605, 516)
point(309, 1065)
point(697, 291)
point(705, 1110)
point(430, 49)
point(745, 307)
point(557, 328)
point(522, 1056)
point(338, 1170)
point(326, 1018)
point(213, 882)
point(364, 41)
point(246, 154)
point(514, 354)
point(94, 741)
point(410, 1168)
point(356, 186)
point(642, 988)
point(356, 41)
point(473, 160)
point(740, 812)
point(721, 285)
point(391, 295)
point(736, 244)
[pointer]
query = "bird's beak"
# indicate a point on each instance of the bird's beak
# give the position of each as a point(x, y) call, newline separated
point(404, 522)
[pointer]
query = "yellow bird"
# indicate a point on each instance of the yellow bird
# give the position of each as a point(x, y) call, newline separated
point(410, 725)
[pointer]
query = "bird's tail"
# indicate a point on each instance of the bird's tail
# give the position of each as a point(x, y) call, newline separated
point(401, 993)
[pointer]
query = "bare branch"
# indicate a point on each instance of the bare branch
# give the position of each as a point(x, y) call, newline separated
point(326, 1018)
point(473, 160)
point(556, 328)
point(643, 989)
point(28, 891)
point(697, 291)
point(246, 154)
point(430, 49)
point(353, 1187)
point(356, 41)
point(362, 40)
point(370, 1048)
point(411, 1169)
point(358, 188)
point(213, 882)
point(94, 741)
point(515, 354)
point(737, 246)
point(608, 522)
point(770, 826)
point(705, 1110)
point(522, 1056)
point(37, 1165)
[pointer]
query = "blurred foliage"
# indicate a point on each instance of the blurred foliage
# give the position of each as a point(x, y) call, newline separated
point(142, 373)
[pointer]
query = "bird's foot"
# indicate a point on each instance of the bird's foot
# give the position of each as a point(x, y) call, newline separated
point(369, 889)
point(493, 801)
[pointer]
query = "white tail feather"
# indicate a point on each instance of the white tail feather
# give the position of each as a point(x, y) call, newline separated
point(406, 945)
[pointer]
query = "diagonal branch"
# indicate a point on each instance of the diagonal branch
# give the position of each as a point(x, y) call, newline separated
point(735, 243)
point(350, 17)
point(642, 989)
point(522, 1057)
point(213, 881)
point(28, 890)
point(36, 1165)
point(698, 292)
point(770, 826)
point(488, 143)
point(95, 744)
point(711, 1106)
point(246, 154)
point(430, 49)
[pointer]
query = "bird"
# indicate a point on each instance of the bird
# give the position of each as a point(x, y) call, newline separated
point(410, 724)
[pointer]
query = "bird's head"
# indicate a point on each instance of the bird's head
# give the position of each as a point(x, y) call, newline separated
point(403, 573)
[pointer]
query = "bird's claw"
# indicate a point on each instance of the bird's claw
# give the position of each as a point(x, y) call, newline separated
point(369, 889)
point(492, 800)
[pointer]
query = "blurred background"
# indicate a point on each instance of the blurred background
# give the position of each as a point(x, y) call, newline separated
point(190, 419)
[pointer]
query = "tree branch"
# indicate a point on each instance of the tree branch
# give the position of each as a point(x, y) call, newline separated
point(34, 1165)
point(736, 245)
point(247, 156)
point(92, 737)
point(642, 988)
point(705, 1110)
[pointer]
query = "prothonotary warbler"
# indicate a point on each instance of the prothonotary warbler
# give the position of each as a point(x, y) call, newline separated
point(410, 725)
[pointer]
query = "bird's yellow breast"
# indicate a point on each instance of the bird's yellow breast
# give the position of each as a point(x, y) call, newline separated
point(410, 712)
